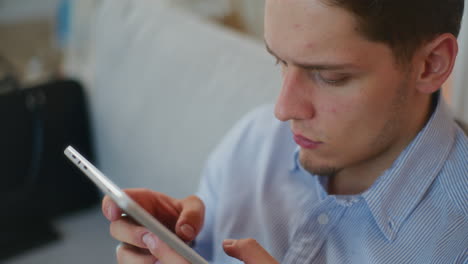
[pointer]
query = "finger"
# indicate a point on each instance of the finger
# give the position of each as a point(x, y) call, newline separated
point(110, 209)
point(128, 231)
point(162, 251)
point(163, 207)
point(127, 254)
point(248, 251)
point(191, 218)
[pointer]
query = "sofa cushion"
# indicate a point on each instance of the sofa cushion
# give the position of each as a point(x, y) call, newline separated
point(167, 85)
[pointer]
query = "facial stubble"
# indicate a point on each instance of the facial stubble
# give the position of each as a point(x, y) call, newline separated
point(381, 143)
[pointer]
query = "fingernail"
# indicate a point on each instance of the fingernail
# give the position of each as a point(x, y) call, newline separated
point(109, 212)
point(228, 242)
point(188, 231)
point(150, 241)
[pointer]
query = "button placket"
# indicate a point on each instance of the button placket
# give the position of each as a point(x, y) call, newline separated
point(323, 219)
point(312, 234)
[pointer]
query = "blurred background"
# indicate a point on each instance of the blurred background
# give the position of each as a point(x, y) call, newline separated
point(144, 88)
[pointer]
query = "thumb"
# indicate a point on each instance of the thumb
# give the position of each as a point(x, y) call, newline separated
point(248, 250)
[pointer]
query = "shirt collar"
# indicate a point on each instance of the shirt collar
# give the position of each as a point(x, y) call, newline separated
point(295, 165)
point(398, 191)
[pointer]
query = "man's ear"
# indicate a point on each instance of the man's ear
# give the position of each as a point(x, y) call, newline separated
point(436, 62)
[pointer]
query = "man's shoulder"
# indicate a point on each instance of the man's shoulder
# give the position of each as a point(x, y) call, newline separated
point(259, 125)
point(454, 174)
point(254, 143)
point(263, 117)
point(255, 132)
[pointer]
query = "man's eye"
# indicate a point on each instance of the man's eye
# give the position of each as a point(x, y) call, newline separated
point(329, 78)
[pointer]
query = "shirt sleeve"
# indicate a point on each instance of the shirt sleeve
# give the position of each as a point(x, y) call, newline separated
point(208, 193)
point(213, 179)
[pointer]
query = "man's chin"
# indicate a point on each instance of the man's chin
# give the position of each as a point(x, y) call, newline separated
point(317, 169)
point(323, 171)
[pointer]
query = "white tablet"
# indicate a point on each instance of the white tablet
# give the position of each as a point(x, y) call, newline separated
point(132, 208)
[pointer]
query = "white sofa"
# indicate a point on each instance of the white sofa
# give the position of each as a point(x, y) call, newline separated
point(164, 86)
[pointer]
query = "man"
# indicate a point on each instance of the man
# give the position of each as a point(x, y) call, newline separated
point(371, 167)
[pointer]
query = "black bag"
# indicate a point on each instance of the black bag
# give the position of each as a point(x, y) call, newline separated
point(37, 182)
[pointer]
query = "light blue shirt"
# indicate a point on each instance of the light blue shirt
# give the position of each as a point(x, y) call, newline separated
point(416, 212)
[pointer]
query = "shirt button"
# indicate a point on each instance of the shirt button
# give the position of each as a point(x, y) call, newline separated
point(323, 219)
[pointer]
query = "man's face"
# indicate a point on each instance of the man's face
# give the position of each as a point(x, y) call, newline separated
point(345, 97)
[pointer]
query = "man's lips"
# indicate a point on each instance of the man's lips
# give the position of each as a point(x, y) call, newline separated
point(305, 142)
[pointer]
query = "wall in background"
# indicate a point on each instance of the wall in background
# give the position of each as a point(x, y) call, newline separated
point(17, 10)
point(460, 79)
point(27, 38)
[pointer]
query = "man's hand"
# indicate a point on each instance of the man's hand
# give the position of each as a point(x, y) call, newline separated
point(184, 217)
point(246, 250)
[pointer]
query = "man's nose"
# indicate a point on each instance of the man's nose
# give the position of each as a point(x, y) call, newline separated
point(294, 100)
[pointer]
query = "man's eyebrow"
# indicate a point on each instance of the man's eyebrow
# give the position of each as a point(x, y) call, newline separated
point(313, 66)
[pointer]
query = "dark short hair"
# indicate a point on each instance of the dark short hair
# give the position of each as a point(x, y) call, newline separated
point(404, 25)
